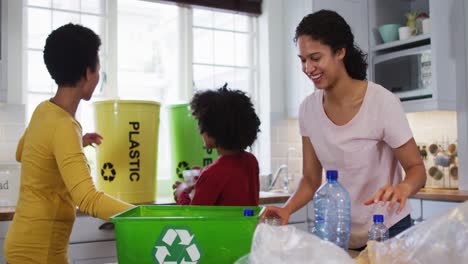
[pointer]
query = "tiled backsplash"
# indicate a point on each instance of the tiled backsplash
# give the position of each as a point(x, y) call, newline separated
point(436, 126)
point(428, 127)
point(12, 122)
point(286, 148)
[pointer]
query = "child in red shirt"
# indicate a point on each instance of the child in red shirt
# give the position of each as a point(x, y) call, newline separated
point(227, 121)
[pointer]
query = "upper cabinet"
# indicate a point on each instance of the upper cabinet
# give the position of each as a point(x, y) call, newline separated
point(297, 85)
point(419, 68)
point(425, 70)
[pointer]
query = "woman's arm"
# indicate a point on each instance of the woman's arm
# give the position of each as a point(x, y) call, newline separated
point(310, 182)
point(410, 159)
point(72, 164)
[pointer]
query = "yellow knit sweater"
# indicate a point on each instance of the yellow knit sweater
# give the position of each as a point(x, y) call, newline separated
point(55, 178)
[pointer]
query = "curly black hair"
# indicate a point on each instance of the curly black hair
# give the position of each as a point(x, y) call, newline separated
point(228, 116)
point(68, 51)
point(331, 29)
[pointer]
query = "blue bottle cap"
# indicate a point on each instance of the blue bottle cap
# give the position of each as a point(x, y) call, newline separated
point(378, 218)
point(332, 175)
point(248, 212)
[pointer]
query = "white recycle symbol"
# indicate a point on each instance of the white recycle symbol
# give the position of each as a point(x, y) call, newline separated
point(185, 239)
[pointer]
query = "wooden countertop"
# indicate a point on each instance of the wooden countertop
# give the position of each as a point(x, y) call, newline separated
point(442, 195)
point(6, 213)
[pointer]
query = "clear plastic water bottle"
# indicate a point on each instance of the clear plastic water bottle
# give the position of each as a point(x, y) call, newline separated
point(378, 231)
point(332, 208)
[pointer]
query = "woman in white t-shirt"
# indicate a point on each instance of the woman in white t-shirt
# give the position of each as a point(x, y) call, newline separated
point(354, 126)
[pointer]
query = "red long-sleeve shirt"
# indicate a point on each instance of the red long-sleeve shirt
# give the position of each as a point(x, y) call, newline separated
point(232, 180)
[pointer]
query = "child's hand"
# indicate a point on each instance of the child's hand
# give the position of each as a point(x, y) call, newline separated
point(181, 192)
point(90, 138)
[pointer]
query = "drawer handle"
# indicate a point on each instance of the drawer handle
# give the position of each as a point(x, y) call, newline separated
point(107, 226)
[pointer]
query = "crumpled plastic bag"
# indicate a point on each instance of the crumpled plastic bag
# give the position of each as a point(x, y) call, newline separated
point(441, 239)
point(287, 244)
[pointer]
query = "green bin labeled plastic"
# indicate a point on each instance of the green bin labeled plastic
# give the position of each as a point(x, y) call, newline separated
point(184, 234)
point(126, 159)
point(188, 149)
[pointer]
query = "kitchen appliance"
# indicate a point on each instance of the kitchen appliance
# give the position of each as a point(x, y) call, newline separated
point(406, 73)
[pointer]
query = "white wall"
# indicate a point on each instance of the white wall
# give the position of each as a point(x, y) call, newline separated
point(12, 54)
point(270, 76)
point(462, 97)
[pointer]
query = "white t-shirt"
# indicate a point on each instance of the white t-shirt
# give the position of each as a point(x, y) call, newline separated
point(361, 151)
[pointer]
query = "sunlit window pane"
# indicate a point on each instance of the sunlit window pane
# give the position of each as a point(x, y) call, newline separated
point(202, 18)
point(203, 45)
point(241, 23)
point(96, 24)
point(147, 50)
point(61, 18)
point(223, 48)
point(222, 75)
point(93, 6)
point(203, 77)
point(39, 25)
point(43, 3)
point(38, 76)
point(223, 20)
point(102, 84)
point(242, 78)
point(73, 5)
point(242, 50)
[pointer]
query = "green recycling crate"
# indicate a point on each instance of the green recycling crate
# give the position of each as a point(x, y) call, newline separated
point(188, 149)
point(184, 234)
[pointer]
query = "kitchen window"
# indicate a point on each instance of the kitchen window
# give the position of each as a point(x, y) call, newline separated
point(150, 51)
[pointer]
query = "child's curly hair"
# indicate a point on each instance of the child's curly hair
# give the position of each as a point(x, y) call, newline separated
point(226, 115)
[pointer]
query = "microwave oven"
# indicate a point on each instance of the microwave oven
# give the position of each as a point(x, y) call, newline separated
point(406, 73)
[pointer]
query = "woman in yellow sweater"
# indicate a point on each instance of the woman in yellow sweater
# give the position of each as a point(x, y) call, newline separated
point(55, 177)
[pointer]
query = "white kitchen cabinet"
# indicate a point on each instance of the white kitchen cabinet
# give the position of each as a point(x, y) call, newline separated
point(425, 209)
point(103, 252)
point(445, 43)
point(89, 229)
point(297, 85)
point(299, 217)
point(91, 242)
point(4, 225)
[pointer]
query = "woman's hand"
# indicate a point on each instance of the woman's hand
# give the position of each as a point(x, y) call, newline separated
point(398, 193)
point(90, 138)
point(276, 212)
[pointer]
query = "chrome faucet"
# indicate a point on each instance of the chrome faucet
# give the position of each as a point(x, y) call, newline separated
point(285, 178)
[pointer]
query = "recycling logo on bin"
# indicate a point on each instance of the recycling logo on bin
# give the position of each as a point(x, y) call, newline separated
point(177, 245)
point(108, 172)
point(183, 165)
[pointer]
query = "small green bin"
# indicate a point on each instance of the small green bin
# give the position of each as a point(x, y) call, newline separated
point(187, 147)
point(184, 234)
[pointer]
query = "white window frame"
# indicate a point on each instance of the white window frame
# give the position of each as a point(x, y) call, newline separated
point(14, 71)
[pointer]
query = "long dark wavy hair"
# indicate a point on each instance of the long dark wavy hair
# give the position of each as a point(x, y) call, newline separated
point(331, 29)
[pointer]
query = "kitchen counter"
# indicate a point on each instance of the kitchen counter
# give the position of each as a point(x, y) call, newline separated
point(6, 213)
point(442, 195)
